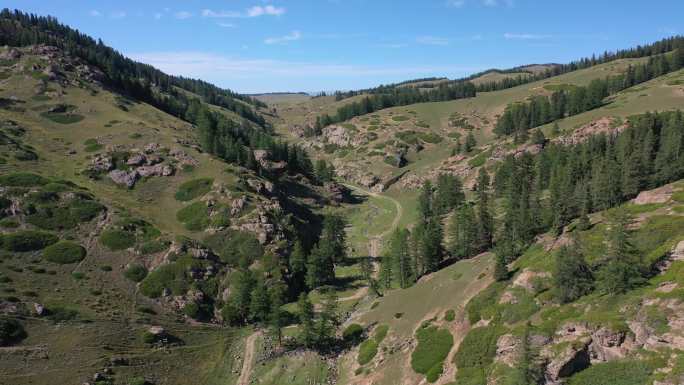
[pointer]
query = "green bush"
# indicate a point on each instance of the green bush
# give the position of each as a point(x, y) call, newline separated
point(613, 373)
point(28, 240)
point(60, 314)
point(193, 189)
point(434, 373)
point(9, 223)
point(116, 239)
point(64, 252)
point(22, 179)
point(170, 276)
point(92, 145)
point(11, 331)
point(353, 333)
point(234, 246)
point(380, 333)
point(433, 347)
point(194, 216)
point(367, 350)
point(430, 137)
point(152, 247)
point(400, 118)
point(63, 118)
point(50, 216)
point(135, 273)
point(450, 315)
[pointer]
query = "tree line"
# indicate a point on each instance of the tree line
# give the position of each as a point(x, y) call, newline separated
point(139, 80)
point(572, 100)
point(388, 96)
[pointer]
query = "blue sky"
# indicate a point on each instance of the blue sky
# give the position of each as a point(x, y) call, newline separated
point(296, 45)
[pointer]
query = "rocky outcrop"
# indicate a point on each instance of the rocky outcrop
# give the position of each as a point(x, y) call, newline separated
point(338, 193)
point(564, 360)
point(156, 170)
point(125, 178)
point(659, 195)
point(527, 279)
point(605, 125)
point(508, 350)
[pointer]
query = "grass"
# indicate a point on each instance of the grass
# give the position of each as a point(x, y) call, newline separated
point(433, 347)
point(64, 252)
point(194, 189)
point(194, 217)
point(22, 179)
point(63, 118)
point(475, 355)
point(380, 333)
point(367, 351)
point(92, 145)
point(115, 239)
point(614, 373)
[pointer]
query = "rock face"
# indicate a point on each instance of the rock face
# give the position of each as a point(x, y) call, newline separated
point(338, 193)
point(101, 163)
point(659, 195)
point(126, 178)
point(156, 170)
point(573, 358)
point(337, 135)
point(508, 350)
point(526, 279)
point(605, 125)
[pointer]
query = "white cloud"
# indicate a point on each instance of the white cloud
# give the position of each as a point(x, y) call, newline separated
point(207, 65)
point(432, 40)
point(95, 13)
point(258, 10)
point(292, 36)
point(455, 3)
point(182, 15)
point(525, 36)
point(117, 15)
point(255, 11)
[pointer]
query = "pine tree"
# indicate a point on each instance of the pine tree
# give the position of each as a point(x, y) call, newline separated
point(277, 317)
point(260, 302)
point(328, 320)
point(425, 206)
point(555, 130)
point(449, 194)
point(470, 142)
point(298, 261)
point(621, 270)
point(463, 232)
point(485, 221)
point(538, 137)
point(243, 284)
point(306, 315)
point(500, 267)
point(572, 276)
point(320, 269)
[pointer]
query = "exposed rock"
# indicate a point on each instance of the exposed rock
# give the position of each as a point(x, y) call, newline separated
point(526, 279)
point(572, 358)
point(607, 345)
point(605, 125)
point(508, 298)
point(126, 178)
point(260, 155)
point(157, 331)
point(10, 54)
point(136, 160)
point(508, 350)
point(659, 195)
point(156, 170)
point(338, 193)
point(39, 309)
point(183, 158)
point(237, 205)
point(101, 163)
point(337, 135)
point(152, 147)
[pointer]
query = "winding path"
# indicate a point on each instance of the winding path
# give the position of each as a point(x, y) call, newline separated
point(248, 359)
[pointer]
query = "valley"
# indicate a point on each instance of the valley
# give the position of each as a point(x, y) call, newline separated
point(160, 230)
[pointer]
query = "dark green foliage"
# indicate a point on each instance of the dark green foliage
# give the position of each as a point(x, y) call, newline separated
point(22, 179)
point(305, 313)
point(396, 264)
point(174, 276)
point(64, 252)
point(194, 189)
point(353, 333)
point(572, 276)
point(63, 118)
point(623, 268)
point(115, 240)
point(11, 331)
point(614, 373)
point(449, 193)
point(390, 96)
point(61, 314)
point(235, 247)
point(28, 240)
point(195, 216)
point(463, 232)
point(470, 142)
point(152, 247)
point(501, 272)
point(135, 273)
point(60, 215)
point(92, 145)
point(450, 315)
point(324, 171)
point(433, 347)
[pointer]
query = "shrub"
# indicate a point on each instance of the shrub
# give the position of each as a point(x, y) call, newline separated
point(78, 275)
point(170, 276)
point(11, 331)
point(22, 179)
point(28, 240)
point(353, 333)
point(367, 351)
point(430, 137)
point(194, 216)
point(135, 273)
point(380, 333)
point(476, 352)
point(60, 314)
point(152, 247)
point(52, 217)
point(116, 239)
point(450, 315)
point(193, 189)
point(433, 374)
point(92, 145)
point(433, 347)
point(232, 246)
point(64, 252)
point(9, 223)
point(63, 118)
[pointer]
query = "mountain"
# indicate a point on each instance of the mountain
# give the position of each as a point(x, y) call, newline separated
point(520, 226)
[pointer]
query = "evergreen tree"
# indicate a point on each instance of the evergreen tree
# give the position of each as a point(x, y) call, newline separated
point(572, 276)
point(470, 142)
point(500, 267)
point(260, 302)
point(425, 206)
point(449, 194)
point(241, 298)
point(277, 317)
point(298, 261)
point(485, 221)
point(621, 270)
point(328, 320)
point(320, 269)
point(462, 232)
point(306, 315)
point(538, 137)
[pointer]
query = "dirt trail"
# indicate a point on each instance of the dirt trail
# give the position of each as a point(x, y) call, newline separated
point(247, 361)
